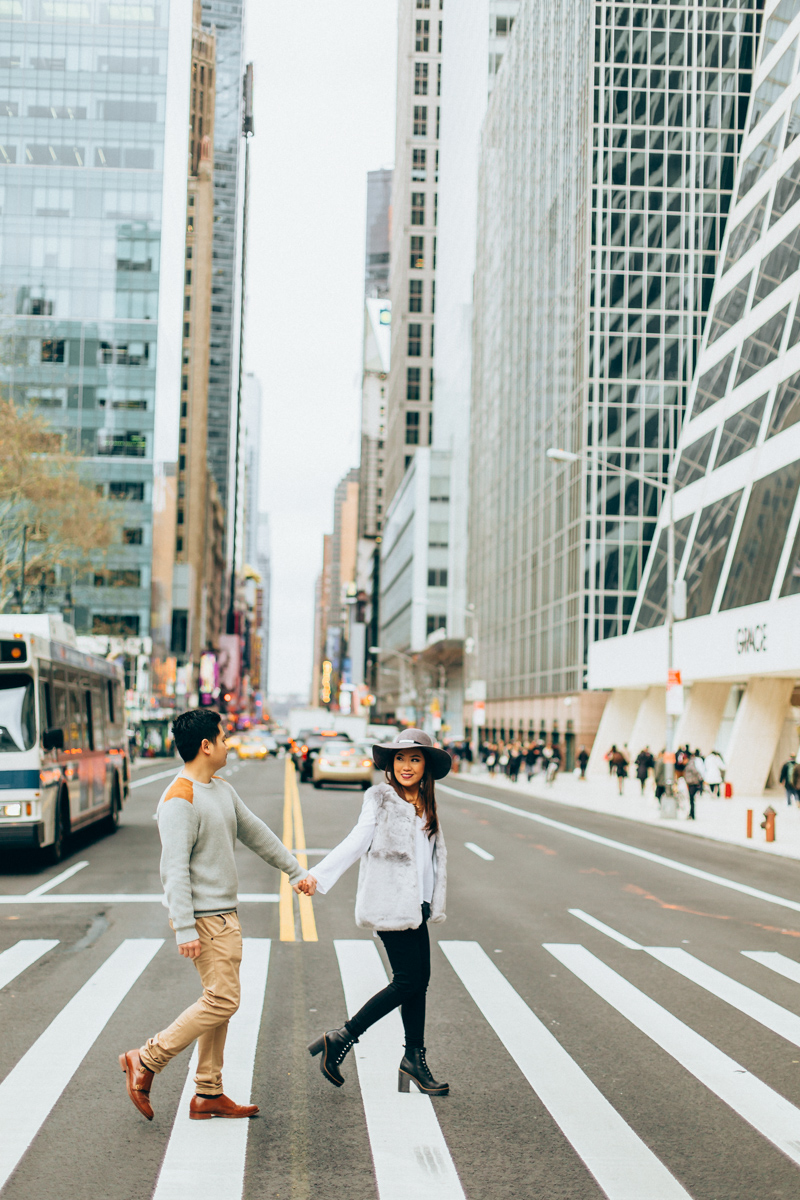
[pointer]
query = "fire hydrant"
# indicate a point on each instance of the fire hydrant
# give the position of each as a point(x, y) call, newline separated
point(768, 823)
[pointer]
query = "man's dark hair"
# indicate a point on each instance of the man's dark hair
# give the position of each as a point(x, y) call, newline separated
point(191, 728)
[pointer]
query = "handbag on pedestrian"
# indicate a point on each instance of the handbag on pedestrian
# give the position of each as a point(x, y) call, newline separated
point(402, 885)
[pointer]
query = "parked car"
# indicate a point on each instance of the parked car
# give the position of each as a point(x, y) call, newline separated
point(342, 762)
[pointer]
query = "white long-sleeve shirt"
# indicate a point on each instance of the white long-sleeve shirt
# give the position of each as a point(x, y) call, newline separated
point(333, 865)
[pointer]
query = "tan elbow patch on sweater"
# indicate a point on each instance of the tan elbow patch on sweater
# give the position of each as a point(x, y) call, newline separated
point(182, 788)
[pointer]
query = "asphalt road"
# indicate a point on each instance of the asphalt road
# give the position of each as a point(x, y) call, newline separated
point(575, 1073)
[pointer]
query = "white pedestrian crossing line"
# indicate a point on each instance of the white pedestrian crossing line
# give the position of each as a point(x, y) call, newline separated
point(57, 879)
point(776, 962)
point(20, 956)
point(671, 863)
point(768, 1112)
point(124, 898)
point(137, 783)
point(208, 1157)
point(32, 1088)
point(410, 1155)
point(481, 853)
point(777, 1019)
point(603, 928)
point(623, 1166)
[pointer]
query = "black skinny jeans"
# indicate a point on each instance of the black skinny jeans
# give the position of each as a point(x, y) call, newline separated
point(409, 952)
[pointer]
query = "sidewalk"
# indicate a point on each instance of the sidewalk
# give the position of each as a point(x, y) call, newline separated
point(717, 819)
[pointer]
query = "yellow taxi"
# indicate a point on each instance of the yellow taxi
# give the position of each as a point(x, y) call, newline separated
point(252, 747)
point(342, 762)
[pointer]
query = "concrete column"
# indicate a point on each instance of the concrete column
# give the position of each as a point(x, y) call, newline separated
point(756, 730)
point(650, 727)
point(616, 725)
point(702, 716)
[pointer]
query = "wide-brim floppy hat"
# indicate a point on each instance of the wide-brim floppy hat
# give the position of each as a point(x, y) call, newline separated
point(439, 761)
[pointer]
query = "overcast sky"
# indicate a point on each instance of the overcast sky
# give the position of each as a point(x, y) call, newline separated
point(324, 116)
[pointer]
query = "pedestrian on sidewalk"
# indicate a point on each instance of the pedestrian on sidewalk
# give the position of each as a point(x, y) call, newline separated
point(693, 778)
point(402, 884)
point(515, 757)
point(790, 778)
point(619, 764)
point(644, 764)
point(553, 756)
point(583, 760)
point(531, 758)
point(714, 771)
point(610, 759)
point(660, 775)
point(200, 816)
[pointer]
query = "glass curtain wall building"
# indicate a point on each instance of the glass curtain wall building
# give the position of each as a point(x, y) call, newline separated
point(737, 475)
point(606, 176)
point(92, 135)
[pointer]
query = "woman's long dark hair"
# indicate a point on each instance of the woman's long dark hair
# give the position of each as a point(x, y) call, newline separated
point(427, 795)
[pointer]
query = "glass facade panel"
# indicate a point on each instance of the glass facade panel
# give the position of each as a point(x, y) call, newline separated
point(776, 26)
point(774, 85)
point(653, 610)
point(778, 265)
point(787, 192)
point(708, 554)
point(712, 385)
point(761, 539)
point(694, 460)
point(761, 347)
point(786, 409)
point(740, 432)
point(746, 233)
point(729, 309)
point(791, 580)
point(757, 163)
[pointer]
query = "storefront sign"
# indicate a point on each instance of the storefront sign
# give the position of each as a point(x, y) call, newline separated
point(751, 639)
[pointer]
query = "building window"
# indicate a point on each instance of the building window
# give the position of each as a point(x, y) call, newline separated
point(436, 208)
point(179, 545)
point(116, 624)
point(417, 208)
point(438, 79)
point(420, 120)
point(123, 578)
point(440, 43)
point(125, 445)
point(437, 578)
point(132, 537)
point(433, 295)
point(412, 386)
point(126, 491)
point(412, 428)
point(434, 254)
point(418, 165)
point(52, 351)
point(415, 295)
point(430, 428)
point(415, 341)
point(435, 623)
point(420, 79)
point(180, 629)
point(438, 113)
point(430, 394)
point(422, 38)
point(432, 329)
point(417, 259)
point(503, 26)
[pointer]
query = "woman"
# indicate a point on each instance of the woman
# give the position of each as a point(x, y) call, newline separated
point(402, 883)
point(715, 771)
point(515, 755)
point(619, 765)
point(644, 763)
point(583, 761)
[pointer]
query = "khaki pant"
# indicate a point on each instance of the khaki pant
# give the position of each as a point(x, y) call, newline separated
point(207, 1020)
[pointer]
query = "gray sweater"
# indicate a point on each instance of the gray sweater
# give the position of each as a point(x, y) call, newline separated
point(198, 824)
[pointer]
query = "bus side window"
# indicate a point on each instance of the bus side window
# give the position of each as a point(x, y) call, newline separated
point(118, 702)
point(45, 704)
point(87, 700)
point(74, 733)
point(97, 716)
point(110, 694)
point(60, 702)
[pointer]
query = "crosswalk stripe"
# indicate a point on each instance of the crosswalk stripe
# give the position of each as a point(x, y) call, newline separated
point(57, 879)
point(30, 1090)
point(20, 956)
point(771, 1114)
point(618, 1159)
point(776, 962)
point(776, 1018)
point(209, 1156)
point(603, 928)
point(410, 1155)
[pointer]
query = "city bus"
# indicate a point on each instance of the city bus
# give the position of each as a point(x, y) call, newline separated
point(63, 748)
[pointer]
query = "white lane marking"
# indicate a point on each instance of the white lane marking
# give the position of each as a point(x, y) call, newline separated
point(409, 1152)
point(479, 851)
point(209, 1156)
point(671, 863)
point(776, 962)
point(20, 956)
point(32, 1088)
point(623, 1166)
point(137, 783)
point(606, 929)
point(126, 898)
point(776, 1018)
point(57, 879)
point(768, 1112)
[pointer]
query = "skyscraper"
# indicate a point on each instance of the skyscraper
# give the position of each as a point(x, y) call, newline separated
point(413, 247)
point(376, 350)
point(606, 176)
point(94, 146)
point(737, 478)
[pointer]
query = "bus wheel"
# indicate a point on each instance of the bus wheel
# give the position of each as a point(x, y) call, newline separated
point(58, 849)
point(112, 820)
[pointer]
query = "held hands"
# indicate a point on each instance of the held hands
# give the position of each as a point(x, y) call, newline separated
point(307, 886)
point(190, 949)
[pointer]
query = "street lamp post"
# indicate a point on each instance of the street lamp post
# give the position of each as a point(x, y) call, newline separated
point(668, 488)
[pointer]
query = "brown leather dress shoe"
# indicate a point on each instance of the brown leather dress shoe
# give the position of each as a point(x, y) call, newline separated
point(139, 1080)
point(203, 1108)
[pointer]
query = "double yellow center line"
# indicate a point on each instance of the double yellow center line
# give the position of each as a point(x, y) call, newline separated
point(294, 838)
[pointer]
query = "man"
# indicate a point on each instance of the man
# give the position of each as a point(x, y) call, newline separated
point(789, 778)
point(693, 777)
point(200, 817)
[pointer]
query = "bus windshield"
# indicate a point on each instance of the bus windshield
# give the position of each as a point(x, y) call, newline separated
point(17, 712)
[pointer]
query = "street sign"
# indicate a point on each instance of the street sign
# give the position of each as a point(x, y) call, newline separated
point(479, 712)
point(674, 694)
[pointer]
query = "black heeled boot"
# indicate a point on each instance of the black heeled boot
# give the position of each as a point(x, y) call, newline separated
point(334, 1046)
point(415, 1066)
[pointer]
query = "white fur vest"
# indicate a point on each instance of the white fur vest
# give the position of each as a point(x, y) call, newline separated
point(388, 886)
